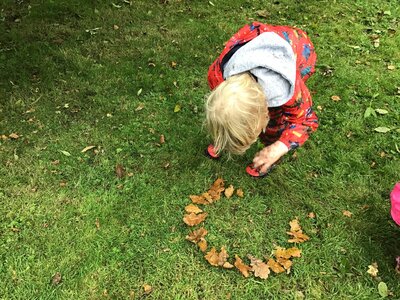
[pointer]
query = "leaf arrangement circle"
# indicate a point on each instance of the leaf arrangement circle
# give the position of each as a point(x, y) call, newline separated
point(195, 216)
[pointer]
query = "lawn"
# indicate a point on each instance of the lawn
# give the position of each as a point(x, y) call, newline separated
point(117, 75)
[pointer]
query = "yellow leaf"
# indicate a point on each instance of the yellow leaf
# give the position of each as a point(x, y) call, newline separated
point(177, 108)
point(335, 98)
point(191, 208)
point(87, 148)
point(229, 191)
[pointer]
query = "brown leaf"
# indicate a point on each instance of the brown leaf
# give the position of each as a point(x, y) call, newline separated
point(173, 64)
point(287, 253)
point(296, 232)
point(56, 279)
point(208, 197)
point(298, 237)
point(285, 263)
point(311, 215)
point(191, 208)
point(240, 193)
point(243, 268)
point(227, 265)
point(119, 171)
point(229, 191)
point(97, 222)
point(147, 288)
point(335, 98)
point(140, 107)
point(162, 139)
point(13, 136)
point(87, 148)
point(373, 269)
point(197, 235)
point(259, 268)
point(193, 219)
point(198, 199)
point(202, 245)
point(212, 257)
point(275, 266)
point(347, 213)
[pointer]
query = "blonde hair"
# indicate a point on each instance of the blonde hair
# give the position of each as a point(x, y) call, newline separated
point(236, 112)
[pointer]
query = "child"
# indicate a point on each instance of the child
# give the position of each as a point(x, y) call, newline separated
point(259, 90)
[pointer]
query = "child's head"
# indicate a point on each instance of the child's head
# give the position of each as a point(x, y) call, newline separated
point(236, 112)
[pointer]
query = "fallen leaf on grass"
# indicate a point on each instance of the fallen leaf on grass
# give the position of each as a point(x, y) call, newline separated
point(311, 215)
point(173, 64)
point(383, 289)
point(391, 67)
point(373, 269)
point(198, 199)
point(66, 153)
point(13, 136)
point(213, 194)
point(202, 244)
point(297, 233)
point(162, 139)
point(56, 279)
point(140, 107)
point(285, 263)
point(119, 171)
point(147, 288)
point(243, 268)
point(193, 219)
point(87, 148)
point(335, 98)
point(275, 266)
point(97, 223)
point(177, 108)
point(218, 259)
point(240, 193)
point(347, 213)
point(259, 268)
point(382, 129)
point(229, 191)
point(191, 208)
point(197, 235)
point(287, 253)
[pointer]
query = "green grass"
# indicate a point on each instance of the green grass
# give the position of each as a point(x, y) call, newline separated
point(65, 85)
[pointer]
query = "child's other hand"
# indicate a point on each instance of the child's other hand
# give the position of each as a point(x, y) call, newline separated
point(269, 155)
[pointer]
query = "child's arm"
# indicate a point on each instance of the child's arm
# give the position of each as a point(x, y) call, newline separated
point(269, 155)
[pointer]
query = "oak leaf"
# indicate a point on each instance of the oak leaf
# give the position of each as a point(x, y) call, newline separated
point(191, 208)
point(243, 268)
point(260, 268)
point(240, 193)
point(373, 269)
point(287, 253)
point(218, 259)
point(197, 235)
point(297, 232)
point(275, 266)
point(285, 263)
point(193, 219)
point(229, 191)
point(198, 199)
point(347, 213)
point(202, 244)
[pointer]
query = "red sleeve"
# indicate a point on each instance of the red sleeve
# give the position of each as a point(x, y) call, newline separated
point(300, 117)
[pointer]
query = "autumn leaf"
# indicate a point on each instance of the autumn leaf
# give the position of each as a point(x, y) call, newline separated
point(87, 148)
point(193, 219)
point(259, 268)
point(197, 235)
point(191, 208)
point(296, 232)
point(240, 193)
point(139, 107)
point(212, 257)
point(198, 199)
point(177, 108)
point(229, 191)
point(373, 269)
point(119, 171)
point(147, 288)
point(275, 266)
point(208, 197)
point(216, 189)
point(56, 279)
point(285, 263)
point(335, 98)
point(162, 139)
point(311, 215)
point(243, 268)
point(347, 213)
point(13, 136)
point(173, 64)
point(202, 244)
point(287, 253)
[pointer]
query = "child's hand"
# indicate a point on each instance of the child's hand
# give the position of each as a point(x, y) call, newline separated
point(269, 155)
